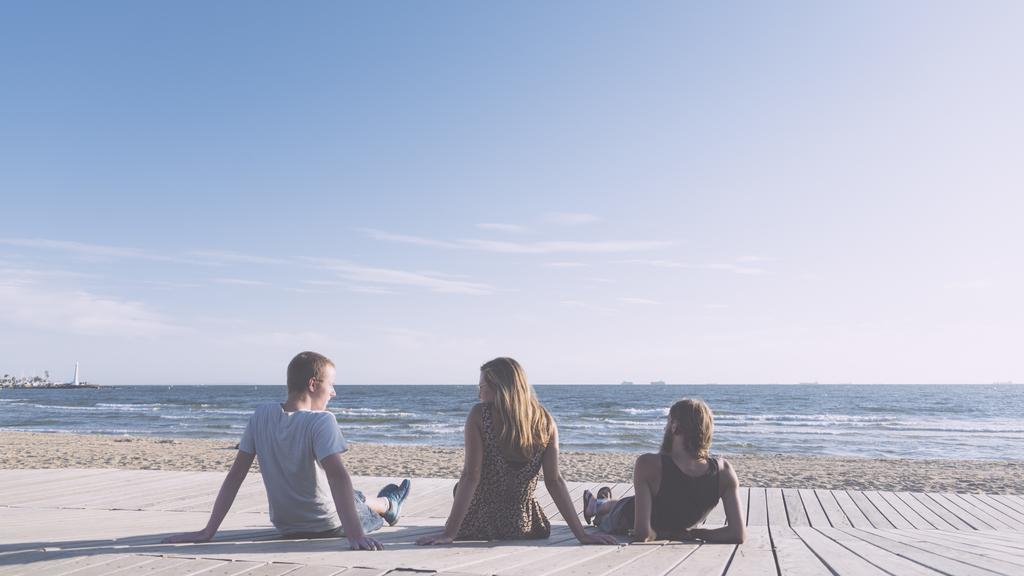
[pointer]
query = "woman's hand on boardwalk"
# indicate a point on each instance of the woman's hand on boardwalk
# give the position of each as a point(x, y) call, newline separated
point(364, 543)
point(598, 538)
point(439, 538)
point(188, 537)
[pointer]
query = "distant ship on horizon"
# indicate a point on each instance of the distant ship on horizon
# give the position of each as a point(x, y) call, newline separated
point(657, 382)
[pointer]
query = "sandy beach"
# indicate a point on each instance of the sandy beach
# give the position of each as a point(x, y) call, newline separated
point(38, 450)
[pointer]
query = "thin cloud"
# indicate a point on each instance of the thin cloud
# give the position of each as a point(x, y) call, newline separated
point(504, 247)
point(165, 285)
point(374, 277)
point(91, 251)
point(586, 306)
point(638, 301)
point(229, 257)
point(79, 312)
point(407, 239)
point(564, 265)
point(737, 269)
point(240, 282)
point(80, 248)
point(723, 267)
point(348, 286)
point(569, 247)
point(499, 227)
point(571, 218)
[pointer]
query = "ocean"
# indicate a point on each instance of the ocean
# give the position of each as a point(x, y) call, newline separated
point(890, 421)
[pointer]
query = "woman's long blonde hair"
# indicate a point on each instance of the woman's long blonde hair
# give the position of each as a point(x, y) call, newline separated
point(525, 425)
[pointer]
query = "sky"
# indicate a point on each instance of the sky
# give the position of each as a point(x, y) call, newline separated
point(744, 192)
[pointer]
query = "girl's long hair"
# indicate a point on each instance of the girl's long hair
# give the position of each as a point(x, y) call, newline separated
point(525, 425)
point(695, 423)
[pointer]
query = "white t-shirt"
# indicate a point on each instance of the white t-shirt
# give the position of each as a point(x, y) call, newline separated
point(289, 446)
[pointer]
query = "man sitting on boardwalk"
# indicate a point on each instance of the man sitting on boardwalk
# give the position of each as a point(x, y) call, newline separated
point(299, 446)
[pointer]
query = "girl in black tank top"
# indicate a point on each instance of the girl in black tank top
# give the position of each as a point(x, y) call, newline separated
point(671, 499)
point(683, 501)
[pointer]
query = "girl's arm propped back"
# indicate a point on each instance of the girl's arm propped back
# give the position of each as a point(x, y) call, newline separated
point(468, 482)
point(735, 530)
point(645, 472)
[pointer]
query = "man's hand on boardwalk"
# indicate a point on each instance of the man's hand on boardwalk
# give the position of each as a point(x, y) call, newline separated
point(364, 543)
point(188, 537)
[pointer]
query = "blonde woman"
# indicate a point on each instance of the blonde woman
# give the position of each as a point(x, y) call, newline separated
point(675, 488)
point(509, 439)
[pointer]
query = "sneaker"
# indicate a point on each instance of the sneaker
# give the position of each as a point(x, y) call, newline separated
point(395, 495)
point(604, 493)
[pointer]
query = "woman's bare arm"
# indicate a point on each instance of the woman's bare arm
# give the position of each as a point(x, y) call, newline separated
point(468, 481)
point(645, 471)
point(560, 494)
point(735, 530)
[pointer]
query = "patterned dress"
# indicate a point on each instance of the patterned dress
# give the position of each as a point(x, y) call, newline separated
point(503, 507)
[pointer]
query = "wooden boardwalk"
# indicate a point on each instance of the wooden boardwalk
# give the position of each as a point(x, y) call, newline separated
point(93, 522)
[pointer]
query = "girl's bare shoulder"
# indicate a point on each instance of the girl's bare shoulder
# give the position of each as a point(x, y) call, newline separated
point(649, 463)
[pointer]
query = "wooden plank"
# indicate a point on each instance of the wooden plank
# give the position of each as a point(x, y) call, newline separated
point(748, 562)
point(886, 509)
point(158, 564)
point(887, 560)
point(123, 565)
point(941, 558)
point(795, 508)
point(869, 510)
point(708, 559)
point(48, 482)
point(557, 544)
point(554, 563)
point(979, 510)
point(987, 549)
point(316, 571)
point(189, 568)
point(1009, 501)
point(80, 563)
point(743, 497)
point(815, 513)
point(757, 508)
point(109, 496)
point(716, 517)
point(968, 518)
point(755, 555)
point(906, 512)
point(850, 509)
point(941, 511)
point(1014, 540)
point(37, 560)
point(665, 557)
point(838, 558)
point(834, 512)
point(1006, 510)
point(57, 496)
point(275, 569)
point(923, 511)
point(618, 559)
point(776, 507)
point(233, 568)
point(793, 556)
